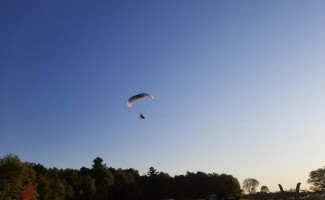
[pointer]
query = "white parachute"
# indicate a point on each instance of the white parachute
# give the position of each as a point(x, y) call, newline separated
point(137, 97)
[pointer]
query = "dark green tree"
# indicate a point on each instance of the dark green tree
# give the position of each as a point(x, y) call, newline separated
point(71, 176)
point(153, 184)
point(15, 177)
point(86, 188)
point(57, 185)
point(228, 185)
point(103, 179)
point(102, 183)
point(317, 179)
point(264, 189)
point(42, 181)
point(250, 185)
point(152, 172)
point(122, 183)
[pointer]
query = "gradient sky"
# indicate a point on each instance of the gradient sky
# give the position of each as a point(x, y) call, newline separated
point(238, 85)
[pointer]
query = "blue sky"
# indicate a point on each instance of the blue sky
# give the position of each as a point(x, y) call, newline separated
point(238, 85)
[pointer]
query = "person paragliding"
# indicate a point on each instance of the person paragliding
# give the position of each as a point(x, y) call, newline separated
point(142, 116)
point(137, 98)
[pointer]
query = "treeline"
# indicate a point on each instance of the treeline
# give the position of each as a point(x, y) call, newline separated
point(19, 180)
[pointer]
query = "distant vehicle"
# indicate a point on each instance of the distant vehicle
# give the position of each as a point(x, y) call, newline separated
point(314, 196)
point(231, 197)
point(323, 194)
point(212, 197)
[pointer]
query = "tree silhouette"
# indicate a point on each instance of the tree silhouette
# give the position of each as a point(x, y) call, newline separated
point(317, 179)
point(264, 189)
point(250, 185)
point(31, 181)
point(15, 177)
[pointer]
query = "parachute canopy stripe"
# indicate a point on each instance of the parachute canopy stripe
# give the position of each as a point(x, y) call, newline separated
point(138, 97)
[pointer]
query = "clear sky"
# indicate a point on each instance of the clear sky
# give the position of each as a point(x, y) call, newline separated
point(238, 86)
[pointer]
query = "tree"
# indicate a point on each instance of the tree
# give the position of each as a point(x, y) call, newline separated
point(317, 179)
point(30, 181)
point(28, 193)
point(264, 189)
point(56, 185)
point(104, 179)
point(250, 184)
point(228, 184)
point(98, 163)
point(150, 184)
point(16, 178)
point(87, 188)
point(152, 172)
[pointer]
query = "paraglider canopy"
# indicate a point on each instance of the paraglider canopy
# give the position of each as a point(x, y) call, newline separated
point(137, 97)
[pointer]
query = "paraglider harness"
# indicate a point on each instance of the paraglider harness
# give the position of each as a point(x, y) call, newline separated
point(142, 116)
